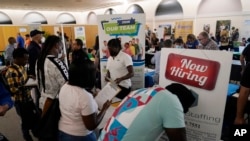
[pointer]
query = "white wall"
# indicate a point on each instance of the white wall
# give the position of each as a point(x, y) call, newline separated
point(190, 9)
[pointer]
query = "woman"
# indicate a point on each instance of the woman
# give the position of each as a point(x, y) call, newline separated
point(79, 111)
point(52, 73)
point(192, 42)
point(119, 68)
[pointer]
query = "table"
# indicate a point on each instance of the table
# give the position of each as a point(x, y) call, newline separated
point(148, 57)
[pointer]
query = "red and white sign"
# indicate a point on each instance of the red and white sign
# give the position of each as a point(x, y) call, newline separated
point(192, 71)
point(206, 73)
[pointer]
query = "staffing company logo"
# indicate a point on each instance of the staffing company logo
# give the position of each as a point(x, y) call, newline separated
point(192, 71)
point(126, 27)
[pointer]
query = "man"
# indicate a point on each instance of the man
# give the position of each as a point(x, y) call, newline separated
point(119, 68)
point(243, 96)
point(34, 50)
point(27, 40)
point(16, 76)
point(20, 40)
point(145, 113)
point(156, 59)
point(9, 50)
point(77, 44)
point(245, 57)
point(206, 42)
point(105, 50)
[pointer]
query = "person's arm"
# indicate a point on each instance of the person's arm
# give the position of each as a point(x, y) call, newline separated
point(13, 81)
point(153, 59)
point(4, 109)
point(176, 134)
point(93, 120)
point(107, 76)
point(241, 104)
point(127, 76)
point(46, 105)
point(242, 62)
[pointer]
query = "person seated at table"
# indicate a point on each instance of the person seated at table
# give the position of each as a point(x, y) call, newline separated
point(178, 43)
point(192, 42)
point(79, 110)
point(156, 60)
point(145, 113)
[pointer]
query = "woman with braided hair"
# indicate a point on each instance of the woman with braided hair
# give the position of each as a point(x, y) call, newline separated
point(52, 73)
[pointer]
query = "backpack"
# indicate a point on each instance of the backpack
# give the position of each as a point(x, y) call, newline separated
point(4, 80)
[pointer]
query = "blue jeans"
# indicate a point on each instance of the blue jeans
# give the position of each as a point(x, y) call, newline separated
point(66, 137)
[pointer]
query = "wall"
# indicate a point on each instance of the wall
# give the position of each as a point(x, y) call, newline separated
point(190, 12)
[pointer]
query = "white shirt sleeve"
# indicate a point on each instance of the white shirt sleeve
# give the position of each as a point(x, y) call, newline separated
point(128, 60)
point(88, 105)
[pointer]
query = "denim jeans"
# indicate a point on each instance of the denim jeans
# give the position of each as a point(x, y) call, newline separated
point(66, 137)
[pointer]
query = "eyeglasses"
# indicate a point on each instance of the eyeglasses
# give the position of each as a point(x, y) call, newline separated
point(201, 39)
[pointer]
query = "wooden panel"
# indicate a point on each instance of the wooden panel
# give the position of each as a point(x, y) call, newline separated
point(91, 31)
point(49, 30)
point(7, 31)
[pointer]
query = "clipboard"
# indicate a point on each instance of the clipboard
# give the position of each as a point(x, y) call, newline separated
point(108, 92)
point(31, 83)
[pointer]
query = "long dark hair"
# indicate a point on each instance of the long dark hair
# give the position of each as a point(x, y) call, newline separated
point(82, 70)
point(50, 42)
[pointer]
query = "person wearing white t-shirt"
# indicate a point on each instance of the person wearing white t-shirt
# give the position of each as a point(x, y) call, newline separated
point(119, 67)
point(79, 110)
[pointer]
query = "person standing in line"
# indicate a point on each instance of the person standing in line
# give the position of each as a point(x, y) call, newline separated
point(9, 51)
point(119, 67)
point(34, 50)
point(76, 45)
point(79, 110)
point(245, 58)
point(16, 76)
point(206, 42)
point(27, 40)
point(52, 73)
point(20, 40)
point(242, 100)
point(156, 59)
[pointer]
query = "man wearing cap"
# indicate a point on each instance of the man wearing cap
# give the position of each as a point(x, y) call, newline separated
point(34, 49)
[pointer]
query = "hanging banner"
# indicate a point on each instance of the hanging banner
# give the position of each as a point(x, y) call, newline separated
point(206, 73)
point(129, 29)
point(182, 29)
point(80, 33)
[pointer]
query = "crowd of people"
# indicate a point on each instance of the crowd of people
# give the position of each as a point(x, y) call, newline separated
point(73, 85)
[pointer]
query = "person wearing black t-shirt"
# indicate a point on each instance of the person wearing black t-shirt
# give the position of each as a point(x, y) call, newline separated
point(242, 105)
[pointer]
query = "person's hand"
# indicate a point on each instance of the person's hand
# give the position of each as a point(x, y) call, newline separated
point(242, 71)
point(106, 105)
point(3, 109)
point(239, 121)
point(32, 76)
point(118, 80)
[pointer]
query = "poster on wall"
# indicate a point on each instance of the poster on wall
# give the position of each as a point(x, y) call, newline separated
point(182, 29)
point(206, 73)
point(130, 30)
point(222, 31)
point(246, 27)
point(206, 28)
point(165, 29)
point(80, 33)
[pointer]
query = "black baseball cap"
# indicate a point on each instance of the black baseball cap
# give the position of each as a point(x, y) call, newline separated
point(35, 32)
